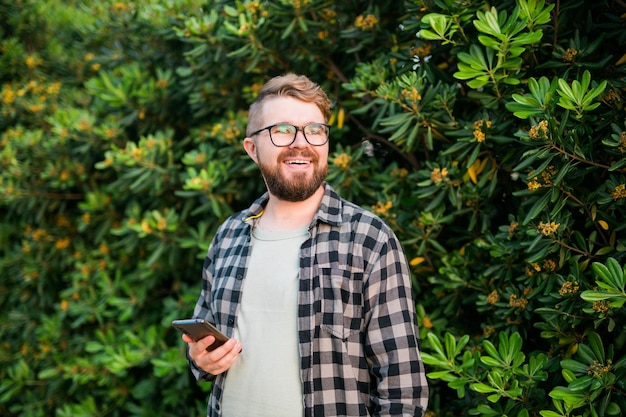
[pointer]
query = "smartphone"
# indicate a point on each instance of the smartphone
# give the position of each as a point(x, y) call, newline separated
point(198, 329)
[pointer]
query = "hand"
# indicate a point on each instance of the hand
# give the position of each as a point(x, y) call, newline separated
point(216, 361)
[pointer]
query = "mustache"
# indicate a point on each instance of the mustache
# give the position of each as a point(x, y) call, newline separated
point(294, 153)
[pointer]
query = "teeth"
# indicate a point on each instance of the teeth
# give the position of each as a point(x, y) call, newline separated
point(297, 162)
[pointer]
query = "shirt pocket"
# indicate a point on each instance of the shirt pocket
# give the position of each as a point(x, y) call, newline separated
point(342, 301)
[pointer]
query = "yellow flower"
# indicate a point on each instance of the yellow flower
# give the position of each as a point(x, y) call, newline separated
point(9, 95)
point(437, 175)
point(110, 133)
point(620, 192)
point(549, 265)
point(400, 173)
point(324, 34)
point(382, 208)
point(366, 22)
point(489, 330)
point(162, 223)
point(411, 95)
point(136, 154)
point(516, 302)
point(427, 323)
point(64, 305)
point(421, 51)
point(62, 221)
point(36, 108)
point(598, 369)
point(232, 132)
point(547, 229)
point(62, 243)
point(539, 131)
point(601, 306)
point(328, 14)
point(569, 287)
point(120, 7)
point(512, 227)
point(493, 297)
point(254, 6)
point(479, 135)
point(342, 160)
point(65, 175)
point(480, 124)
point(39, 234)
point(533, 185)
point(570, 55)
point(31, 61)
point(145, 226)
point(622, 142)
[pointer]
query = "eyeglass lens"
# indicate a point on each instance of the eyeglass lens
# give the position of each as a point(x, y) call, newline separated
point(285, 134)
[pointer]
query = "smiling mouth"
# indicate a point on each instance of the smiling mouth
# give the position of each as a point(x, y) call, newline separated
point(295, 158)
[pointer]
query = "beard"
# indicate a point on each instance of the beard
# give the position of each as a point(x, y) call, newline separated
point(299, 187)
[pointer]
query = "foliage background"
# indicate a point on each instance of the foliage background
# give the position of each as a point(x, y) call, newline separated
point(490, 135)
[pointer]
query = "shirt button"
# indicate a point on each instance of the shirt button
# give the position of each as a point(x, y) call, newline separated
point(231, 321)
point(239, 276)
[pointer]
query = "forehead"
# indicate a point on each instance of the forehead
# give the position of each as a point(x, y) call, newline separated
point(290, 110)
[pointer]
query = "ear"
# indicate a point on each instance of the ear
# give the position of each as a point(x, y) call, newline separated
point(250, 146)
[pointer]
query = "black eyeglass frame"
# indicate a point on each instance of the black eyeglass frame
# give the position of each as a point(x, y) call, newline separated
point(298, 129)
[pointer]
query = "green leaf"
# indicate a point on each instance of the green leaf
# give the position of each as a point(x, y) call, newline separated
point(48, 373)
point(482, 388)
point(434, 343)
point(595, 343)
point(537, 208)
point(574, 366)
point(489, 361)
point(580, 384)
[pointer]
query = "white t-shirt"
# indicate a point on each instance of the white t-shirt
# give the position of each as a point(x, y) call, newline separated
point(265, 380)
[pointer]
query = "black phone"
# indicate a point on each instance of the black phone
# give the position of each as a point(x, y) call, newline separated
point(198, 329)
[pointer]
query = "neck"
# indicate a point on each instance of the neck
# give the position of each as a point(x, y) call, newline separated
point(282, 215)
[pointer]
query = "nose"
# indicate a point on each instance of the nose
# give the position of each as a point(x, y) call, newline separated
point(300, 139)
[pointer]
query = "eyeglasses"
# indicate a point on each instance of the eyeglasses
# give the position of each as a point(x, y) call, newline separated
point(284, 134)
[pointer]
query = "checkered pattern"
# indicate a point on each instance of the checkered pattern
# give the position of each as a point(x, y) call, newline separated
point(356, 317)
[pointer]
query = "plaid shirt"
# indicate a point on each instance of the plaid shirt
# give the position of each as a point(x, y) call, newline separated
point(356, 317)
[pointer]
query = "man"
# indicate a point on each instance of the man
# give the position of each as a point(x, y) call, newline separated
point(313, 291)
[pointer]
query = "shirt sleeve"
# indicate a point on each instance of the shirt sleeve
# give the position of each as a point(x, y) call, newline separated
point(202, 310)
point(392, 339)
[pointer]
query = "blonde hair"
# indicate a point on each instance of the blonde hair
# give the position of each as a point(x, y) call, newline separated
point(289, 85)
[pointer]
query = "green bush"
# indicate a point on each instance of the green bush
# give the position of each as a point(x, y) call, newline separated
point(490, 135)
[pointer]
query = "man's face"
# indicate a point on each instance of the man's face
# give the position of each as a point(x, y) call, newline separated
point(294, 172)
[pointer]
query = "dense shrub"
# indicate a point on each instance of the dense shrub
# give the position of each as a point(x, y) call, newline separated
point(490, 135)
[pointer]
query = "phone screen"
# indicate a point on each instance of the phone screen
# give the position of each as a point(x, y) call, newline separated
point(199, 329)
